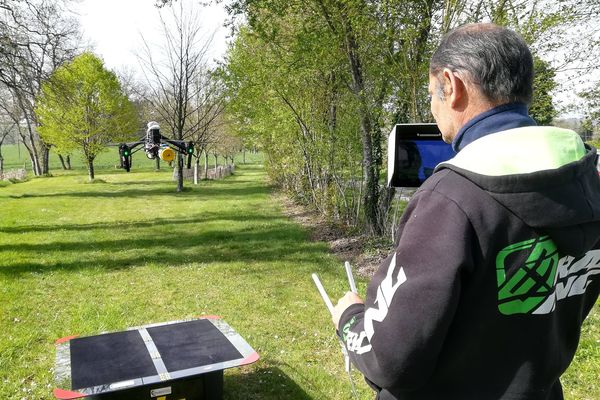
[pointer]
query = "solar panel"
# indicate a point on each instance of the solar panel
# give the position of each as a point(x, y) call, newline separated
point(170, 359)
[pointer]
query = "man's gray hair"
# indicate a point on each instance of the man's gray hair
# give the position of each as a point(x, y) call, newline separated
point(495, 58)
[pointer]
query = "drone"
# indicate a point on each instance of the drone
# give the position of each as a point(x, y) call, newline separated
point(155, 145)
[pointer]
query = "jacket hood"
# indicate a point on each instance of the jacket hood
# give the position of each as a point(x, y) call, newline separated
point(545, 176)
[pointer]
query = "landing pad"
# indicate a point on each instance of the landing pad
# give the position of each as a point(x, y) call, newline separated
point(171, 360)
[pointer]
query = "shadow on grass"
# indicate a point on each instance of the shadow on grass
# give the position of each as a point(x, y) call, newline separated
point(186, 183)
point(154, 222)
point(223, 236)
point(255, 245)
point(227, 192)
point(262, 384)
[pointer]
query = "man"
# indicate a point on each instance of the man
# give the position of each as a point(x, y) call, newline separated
point(497, 261)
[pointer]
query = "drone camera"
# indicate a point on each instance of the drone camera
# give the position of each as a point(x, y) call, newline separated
point(166, 154)
point(151, 152)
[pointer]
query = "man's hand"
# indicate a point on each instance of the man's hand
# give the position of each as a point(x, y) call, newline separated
point(343, 303)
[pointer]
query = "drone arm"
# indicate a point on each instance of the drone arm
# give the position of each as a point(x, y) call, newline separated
point(178, 144)
point(136, 150)
point(186, 148)
point(131, 145)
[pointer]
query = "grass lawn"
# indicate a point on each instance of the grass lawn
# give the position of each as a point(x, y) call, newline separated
point(80, 258)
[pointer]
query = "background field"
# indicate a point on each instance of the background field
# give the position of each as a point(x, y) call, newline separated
point(17, 157)
point(81, 258)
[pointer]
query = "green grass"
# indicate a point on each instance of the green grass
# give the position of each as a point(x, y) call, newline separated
point(580, 382)
point(78, 258)
point(81, 259)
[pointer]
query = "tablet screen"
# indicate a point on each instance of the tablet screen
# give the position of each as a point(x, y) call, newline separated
point(414, 150)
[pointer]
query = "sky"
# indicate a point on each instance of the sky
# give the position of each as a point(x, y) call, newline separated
point(114, 28)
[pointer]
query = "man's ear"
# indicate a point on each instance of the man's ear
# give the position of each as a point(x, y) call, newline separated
point(454, 87)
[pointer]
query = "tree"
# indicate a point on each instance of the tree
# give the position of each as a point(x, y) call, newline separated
point(591, 113)
point(207, 120)
point(6, 128)
point(542, 108)
point(36, 37)
point(138, 92)
point(337, 66)
point(592, 104)
point(320, 82)
point(586, 131)
point(172, 73)
point(287, 99)
point(565, 34)
point(82, 106)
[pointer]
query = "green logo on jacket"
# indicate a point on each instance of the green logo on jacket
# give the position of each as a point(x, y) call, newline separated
point(347, 327)
point(532, 282)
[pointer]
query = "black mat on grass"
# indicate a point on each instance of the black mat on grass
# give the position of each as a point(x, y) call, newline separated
point(192, 344)
point(109, 358)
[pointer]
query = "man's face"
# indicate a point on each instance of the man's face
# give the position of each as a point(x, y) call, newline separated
point(441, 110)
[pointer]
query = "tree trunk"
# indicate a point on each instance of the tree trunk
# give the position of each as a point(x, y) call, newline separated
point(91, 168)
point(29, 140)
point(33, 155)
point(370, 175)
point(196, 171)
point(62, 161)
point(1, 157)
point(205, 165)
point(68, 162)
point(244, 156)
point(179, 173)
point(370, 167)
point(45, 156)
point(35, 165)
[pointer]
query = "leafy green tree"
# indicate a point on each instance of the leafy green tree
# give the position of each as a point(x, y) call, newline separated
point(321, 82)
point(542, 108)
point(591, 119)
point(566, 34)
point(82, 106)
point(332, 69)
point(36, 36)
point(586, 131)
point(592, 104)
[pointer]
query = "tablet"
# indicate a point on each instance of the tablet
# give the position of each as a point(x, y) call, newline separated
point(414, 150)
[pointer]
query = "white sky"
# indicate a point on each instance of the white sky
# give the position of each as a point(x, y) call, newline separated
point(113, 28)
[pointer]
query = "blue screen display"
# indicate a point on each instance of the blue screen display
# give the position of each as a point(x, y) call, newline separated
point(416, 160)
point(432, 152)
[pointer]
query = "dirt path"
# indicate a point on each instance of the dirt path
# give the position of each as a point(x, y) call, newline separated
point(363, 255)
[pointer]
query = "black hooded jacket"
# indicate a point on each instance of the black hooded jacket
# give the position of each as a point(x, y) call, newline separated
point(496, 266)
